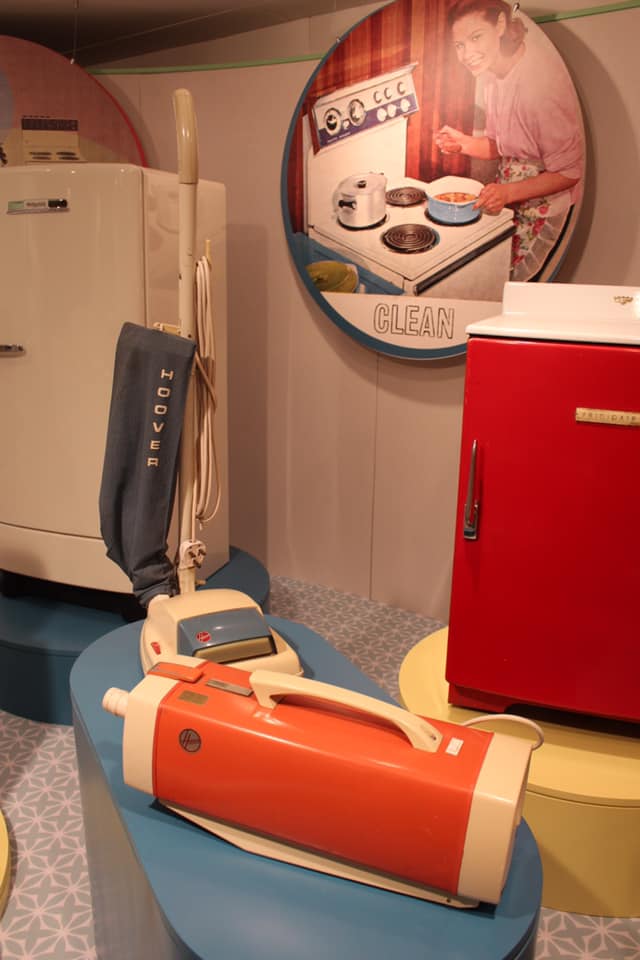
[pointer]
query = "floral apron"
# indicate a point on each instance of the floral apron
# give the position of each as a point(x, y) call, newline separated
point(537, 229)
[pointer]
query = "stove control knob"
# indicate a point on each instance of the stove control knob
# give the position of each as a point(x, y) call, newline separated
point(388, 92)
point(377, 96)
point(392, 109)
point(402, 89)
point(357, 112)
point(404, 104)
point(381, 114)
point(332, 120)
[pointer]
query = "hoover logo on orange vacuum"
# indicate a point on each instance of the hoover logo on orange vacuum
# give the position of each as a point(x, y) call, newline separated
point(190, 740)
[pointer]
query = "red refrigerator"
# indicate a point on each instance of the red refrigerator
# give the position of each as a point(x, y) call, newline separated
point(545, 604)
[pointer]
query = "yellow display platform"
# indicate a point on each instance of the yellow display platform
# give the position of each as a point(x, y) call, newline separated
point(583, 795)
point(5, 865)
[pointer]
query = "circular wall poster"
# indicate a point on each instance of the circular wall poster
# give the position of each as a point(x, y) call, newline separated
point(52, 111)
point(436, 153)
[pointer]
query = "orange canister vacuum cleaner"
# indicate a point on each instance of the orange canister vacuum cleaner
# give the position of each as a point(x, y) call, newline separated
point(326, 778)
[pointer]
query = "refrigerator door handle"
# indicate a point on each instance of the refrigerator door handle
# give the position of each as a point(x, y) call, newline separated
point(471, 506)
point(11, 350)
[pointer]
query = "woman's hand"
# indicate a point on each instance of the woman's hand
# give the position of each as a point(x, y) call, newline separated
point(493, 197)
point(449, 140)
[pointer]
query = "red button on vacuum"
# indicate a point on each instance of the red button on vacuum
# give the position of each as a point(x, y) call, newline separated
point(177, 671)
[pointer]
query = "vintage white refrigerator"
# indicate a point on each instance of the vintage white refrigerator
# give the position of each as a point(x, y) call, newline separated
point(84, 249)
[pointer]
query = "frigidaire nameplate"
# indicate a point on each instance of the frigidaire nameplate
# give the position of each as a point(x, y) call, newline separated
point(617, 418)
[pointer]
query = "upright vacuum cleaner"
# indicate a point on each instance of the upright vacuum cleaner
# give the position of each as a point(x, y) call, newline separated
point(155, 426)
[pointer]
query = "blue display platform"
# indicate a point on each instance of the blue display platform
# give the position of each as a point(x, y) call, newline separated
point(42, 635)
point(163, 889)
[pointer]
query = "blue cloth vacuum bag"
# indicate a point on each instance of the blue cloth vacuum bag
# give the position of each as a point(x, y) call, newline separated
point(148, 398)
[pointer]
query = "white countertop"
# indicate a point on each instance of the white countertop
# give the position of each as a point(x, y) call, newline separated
point(587, 313)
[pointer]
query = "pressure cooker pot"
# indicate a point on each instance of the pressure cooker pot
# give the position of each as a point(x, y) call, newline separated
point(360, 200)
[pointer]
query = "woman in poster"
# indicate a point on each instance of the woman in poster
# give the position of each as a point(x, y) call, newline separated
point(533, 128)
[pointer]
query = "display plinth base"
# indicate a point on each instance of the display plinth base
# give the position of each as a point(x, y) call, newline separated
point(41, 637)
point(582, 800)
point(163, 887)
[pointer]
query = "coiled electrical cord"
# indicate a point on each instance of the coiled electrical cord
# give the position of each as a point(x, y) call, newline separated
point(205, 400)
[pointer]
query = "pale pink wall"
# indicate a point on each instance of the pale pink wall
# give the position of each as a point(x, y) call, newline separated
point(343, 464)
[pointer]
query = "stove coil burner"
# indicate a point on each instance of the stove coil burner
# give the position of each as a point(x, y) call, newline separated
point(406, 196)
point(410, 238)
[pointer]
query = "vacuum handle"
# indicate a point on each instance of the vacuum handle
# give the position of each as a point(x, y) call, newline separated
point(267, 685)
point(187, 134)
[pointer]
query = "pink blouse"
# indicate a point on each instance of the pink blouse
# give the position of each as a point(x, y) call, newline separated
point(533, 115)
